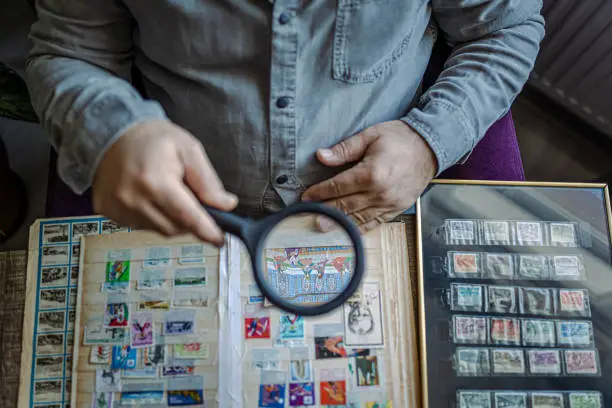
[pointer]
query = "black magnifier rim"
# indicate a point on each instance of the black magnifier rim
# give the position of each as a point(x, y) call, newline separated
point(322, 209)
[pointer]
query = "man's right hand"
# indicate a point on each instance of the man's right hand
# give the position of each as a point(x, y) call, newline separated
point(155, 177)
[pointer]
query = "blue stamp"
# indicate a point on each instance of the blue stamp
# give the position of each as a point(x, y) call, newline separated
point(124, 357)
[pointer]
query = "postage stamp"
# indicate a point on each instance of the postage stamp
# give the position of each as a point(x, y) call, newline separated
point(102, 400)
point(192, 277)
point(588, 399)
point(96, 333)
point(574, 333)
point(511, 399)
point(48, 390)
point(467, 298)
point(536, 301)
point(54, 276)
point(145, 372)
point(140, 398)
point(291, 328)
point(499, 266)
point(192, 254)
point(108, 380)
point(154, 300)
point(50, 344)
point(472, 361)
point(568, 267)
point(49, 367)
point(465, 264)
point(529, 233)
point(300, 371)
point(272, 395)
point(124, 357)
point(191, 298)
point(84, 229)
point(118, 272)
point(563, 234)
point(100, 354)
point(508, 361)
point(152, 279)
point(55, 255)
point(179, 322)
point(329, 341)
point(191, 350)
point(154, 356)
point(496, 232)
point(505, 331)
point(265, 359)
point(141, 329)
point(76, 254)
point(56, 233)
point(533, 267)
point(538, 333)
point(156, 257)
point(116, 315)
point(501, 299)
point(367, 371)
point(301, 394)
point(470, 329)
point(108, 227)
point(176, 371)
point(52, 299)
point(332, 387)
point(581, 362)
point(547, 400)
point(574, 302)
point(461, 232)
point(255, 295)
point(51, 321)
point(257, 327)
point(544, 361)
point(472, 399)
point(363, 325)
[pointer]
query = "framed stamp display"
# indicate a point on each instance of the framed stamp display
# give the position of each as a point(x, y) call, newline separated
point(515, 294)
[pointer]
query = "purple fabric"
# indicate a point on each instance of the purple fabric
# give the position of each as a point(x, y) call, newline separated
point(496, 157)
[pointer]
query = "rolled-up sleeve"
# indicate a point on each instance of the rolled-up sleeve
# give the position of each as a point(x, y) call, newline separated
point(78, 75)
point(495, 44)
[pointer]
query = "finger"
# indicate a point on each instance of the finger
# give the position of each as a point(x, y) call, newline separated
point(351, 181)
point(369, 214)
point(350, 204)
point(178, 203)
point(149, 217)
point(347, 151)
point(203, 180)
point(378, 221)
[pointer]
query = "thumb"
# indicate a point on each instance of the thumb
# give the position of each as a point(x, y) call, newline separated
point(202, 179)
point(347, 151)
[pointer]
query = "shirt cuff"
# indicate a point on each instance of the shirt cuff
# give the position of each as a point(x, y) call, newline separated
point(445, 128)
point(95, 130)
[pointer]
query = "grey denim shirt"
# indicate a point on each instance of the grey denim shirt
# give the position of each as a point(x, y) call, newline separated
point(264, 84)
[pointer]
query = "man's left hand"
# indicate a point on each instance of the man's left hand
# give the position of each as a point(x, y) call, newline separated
point(393, 165)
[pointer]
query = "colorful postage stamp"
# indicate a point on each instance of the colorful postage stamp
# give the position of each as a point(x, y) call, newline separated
point(157, 257)
point(367, 371)
point(179, 322)
point(547, 400)
point(154, 356)
point(191, 350)
point(152, 279)
point(505, 331)
point(329, 341)
point(141, 329)
point(574, 333)
point(538, 333)
point(300, 371)
point(574, 302)
point(302, 394)
point(108, 380)
point(544, 361)
point(176, 371)
point(116, 315)
point(465, 263)
point(291, 328)
point(118, 270)
point(192, 277)
point(466, 297)
point(257, 327)
point(100, 354)
point(581, 362)
point(124, 357)
point(589, 399)
point(178, 398)
point(272, 395)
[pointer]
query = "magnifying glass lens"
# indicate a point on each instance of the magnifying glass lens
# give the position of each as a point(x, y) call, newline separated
point(304, 265)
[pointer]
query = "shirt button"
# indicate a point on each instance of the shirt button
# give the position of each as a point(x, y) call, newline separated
point(282, 102)
point(282, 179)
point(284, 18)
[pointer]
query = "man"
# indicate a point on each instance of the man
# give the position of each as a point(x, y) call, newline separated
point(259, 104)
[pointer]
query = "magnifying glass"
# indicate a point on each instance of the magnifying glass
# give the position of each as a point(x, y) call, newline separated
point(296, 266)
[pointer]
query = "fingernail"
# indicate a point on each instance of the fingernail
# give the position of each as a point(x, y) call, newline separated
point(326, 154)
point(231, 198)
point(324, 224)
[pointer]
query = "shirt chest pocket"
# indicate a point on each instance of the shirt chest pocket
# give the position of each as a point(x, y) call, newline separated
point(371, 36)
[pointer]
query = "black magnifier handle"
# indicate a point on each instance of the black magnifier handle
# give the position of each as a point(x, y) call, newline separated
point(229, 222)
